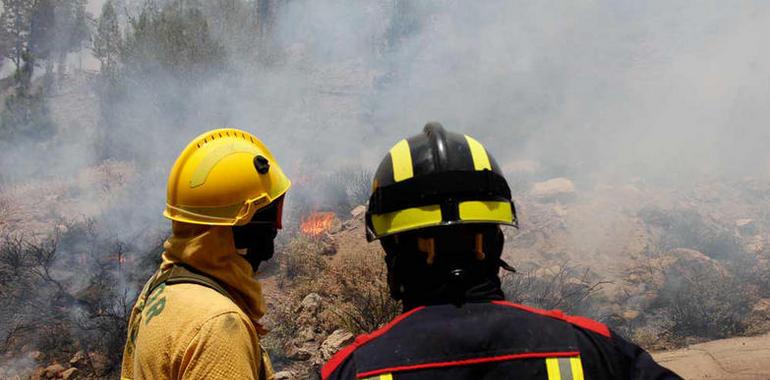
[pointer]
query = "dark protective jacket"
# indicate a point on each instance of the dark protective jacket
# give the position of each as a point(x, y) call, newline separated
point(492, 340)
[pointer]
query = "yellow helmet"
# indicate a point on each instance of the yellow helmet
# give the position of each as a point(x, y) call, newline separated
point(222, 178)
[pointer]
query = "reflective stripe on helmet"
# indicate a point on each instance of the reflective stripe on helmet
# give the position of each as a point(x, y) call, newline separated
point(479, 154)
point(486, 211)
point(427, 216)
point(405, 220)
point(402, 161)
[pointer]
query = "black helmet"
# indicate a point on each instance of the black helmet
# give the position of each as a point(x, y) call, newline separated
point(437, 178)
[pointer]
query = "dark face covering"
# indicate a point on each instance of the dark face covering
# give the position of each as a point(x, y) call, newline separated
point(258, 236)
point(457, 273)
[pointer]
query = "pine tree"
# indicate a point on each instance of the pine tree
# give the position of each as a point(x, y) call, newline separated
point(107, 41)
point(71, 28)
point(175, 40)
point(15, 29)
point(42, 32)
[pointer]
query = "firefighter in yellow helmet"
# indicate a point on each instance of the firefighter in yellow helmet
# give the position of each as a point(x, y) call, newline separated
point(198, 315)
point(437, 203)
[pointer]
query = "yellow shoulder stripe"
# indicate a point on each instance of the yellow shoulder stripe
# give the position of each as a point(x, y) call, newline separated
point(569, 368)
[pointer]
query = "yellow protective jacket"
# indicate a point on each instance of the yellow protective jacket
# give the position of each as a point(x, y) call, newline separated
point(191, 331)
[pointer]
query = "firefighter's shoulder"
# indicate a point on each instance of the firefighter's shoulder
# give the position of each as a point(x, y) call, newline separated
point(574, 320)
point(339, 365)
point(441, 335)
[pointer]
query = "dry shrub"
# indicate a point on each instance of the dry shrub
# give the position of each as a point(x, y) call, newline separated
point(707, 304)
point(282, 323)
point(352, 287)
point(66, 293)
point(361, 299)
point(686, 228)
point(338, 191)
point(301, 259)
point(562, 287)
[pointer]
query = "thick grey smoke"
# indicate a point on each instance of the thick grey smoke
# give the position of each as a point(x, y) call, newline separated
point(597, 91)
point(591, 90)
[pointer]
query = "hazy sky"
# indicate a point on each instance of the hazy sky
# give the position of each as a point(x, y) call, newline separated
point(593, 90)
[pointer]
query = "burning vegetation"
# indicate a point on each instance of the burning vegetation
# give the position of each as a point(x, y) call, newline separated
point(317, 223)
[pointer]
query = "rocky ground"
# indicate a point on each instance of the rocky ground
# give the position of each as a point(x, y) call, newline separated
point(634, 240)
point(629, 250)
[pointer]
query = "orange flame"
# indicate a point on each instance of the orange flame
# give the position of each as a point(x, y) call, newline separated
point(317, 223)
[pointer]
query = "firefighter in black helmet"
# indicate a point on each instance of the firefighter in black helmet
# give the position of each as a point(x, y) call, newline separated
point(437, 203)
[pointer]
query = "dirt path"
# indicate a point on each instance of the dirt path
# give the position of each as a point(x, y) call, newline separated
point(735, 359)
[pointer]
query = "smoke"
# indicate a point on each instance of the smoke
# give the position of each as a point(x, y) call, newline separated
point(597, 88)
point(599, 91)
point(596, 91)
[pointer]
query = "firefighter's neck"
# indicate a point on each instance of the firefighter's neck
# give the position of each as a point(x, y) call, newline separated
point(484, 289)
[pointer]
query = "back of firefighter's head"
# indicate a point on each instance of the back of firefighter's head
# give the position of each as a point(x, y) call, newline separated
point(227, 178)
point(438, 200)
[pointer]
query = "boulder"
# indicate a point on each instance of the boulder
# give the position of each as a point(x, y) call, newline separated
point(101, 364)
point(53, 371)
point(630, 314)
point(299, 353)
point(305, 334)
point(311, 304)
point(79, 359)
point(553, 189)
point(36, 355)
point(358, 212)
point(69, 374)
point(746, 227)
point(334, 342)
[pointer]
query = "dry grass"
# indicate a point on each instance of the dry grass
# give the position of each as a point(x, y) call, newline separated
point(562, 287)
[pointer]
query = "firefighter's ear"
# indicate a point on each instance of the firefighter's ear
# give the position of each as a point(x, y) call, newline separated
point(394, 283)
point(494, 241)
point(428, 247)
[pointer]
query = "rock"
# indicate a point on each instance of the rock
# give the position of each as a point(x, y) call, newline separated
point(553, 189)
point(358, 211)
point(306, 334)
point(79, 359)
point(335, 341)
point(38, 374)
point(746, 227)
point(630, 315)
point(762, 306)
point(53, 371)
point(284, 375)
point(36, 355)
point(68, 374)
point(311, 303)
point(299, 353)
point(100, 362)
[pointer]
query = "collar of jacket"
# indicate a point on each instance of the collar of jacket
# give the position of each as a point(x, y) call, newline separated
point(485, 290)
point(210, 250)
